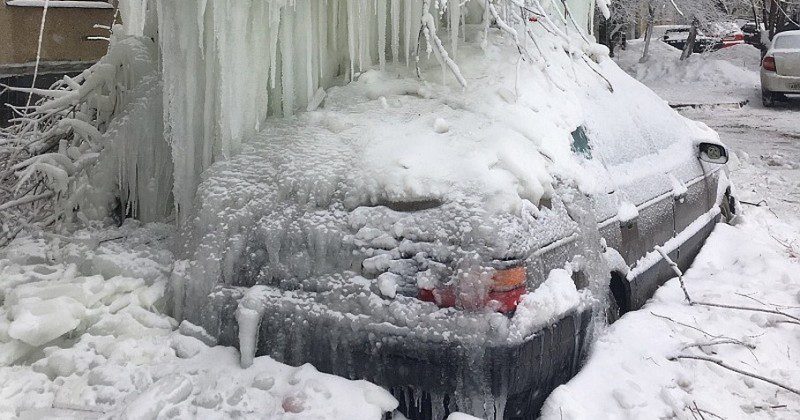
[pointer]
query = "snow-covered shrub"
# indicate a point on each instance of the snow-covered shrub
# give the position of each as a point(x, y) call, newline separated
point(50, 156)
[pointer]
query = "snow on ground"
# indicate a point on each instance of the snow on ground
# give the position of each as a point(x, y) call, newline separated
point(727, 75)
point(82, 336)
point(740, 265)
point(754, 263)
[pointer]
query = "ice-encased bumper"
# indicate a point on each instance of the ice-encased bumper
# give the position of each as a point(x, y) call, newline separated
point(431, 372)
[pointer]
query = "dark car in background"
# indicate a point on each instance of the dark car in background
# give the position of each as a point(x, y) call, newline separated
point(715, 36)
point(678, 37)
point(752, 33)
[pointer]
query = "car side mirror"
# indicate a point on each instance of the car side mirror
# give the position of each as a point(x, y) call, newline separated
point(713, 153)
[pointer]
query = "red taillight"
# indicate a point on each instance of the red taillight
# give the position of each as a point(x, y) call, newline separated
point(507, 288)
point(769, 63)
point(739, 37)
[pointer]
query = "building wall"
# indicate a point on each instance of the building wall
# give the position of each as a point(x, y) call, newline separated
point(66, 30)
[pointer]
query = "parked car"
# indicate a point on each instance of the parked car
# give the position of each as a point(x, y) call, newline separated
point(752, 33)
point(454, 245)
point(780, 68)
point(677, 37)
point(728, 33)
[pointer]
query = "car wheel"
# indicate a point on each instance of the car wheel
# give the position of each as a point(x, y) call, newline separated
point(612, 311)
point(767, 98)
point(728, 208)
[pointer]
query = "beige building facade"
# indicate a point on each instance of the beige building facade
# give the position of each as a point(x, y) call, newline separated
point(68, 26)
point(70, 44)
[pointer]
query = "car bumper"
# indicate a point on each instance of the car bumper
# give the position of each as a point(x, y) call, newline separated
point(776, 83)
point(430, 378)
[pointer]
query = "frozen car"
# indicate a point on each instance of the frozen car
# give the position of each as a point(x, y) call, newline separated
point(677, 38)
point(457, 246)
point(752, 33)
point(780, 68)
point(728, 32)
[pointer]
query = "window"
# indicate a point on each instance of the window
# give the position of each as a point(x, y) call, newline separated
point(786, 42)
point(580, 143)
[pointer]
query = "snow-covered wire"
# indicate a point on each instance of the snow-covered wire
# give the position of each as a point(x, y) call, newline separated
point(39, 49)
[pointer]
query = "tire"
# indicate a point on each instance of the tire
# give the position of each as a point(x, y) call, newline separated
point(613, 312)
point(768, 98)
point(728, 208)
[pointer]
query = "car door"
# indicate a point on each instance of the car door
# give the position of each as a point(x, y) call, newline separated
point(633, 206)
point(694, 194)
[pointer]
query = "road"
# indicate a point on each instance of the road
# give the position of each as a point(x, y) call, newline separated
point(767, 145)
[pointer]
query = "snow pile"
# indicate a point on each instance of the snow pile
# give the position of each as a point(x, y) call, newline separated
point(548, 303)
point(81, 335)
point(721, 75)
point(758, 272)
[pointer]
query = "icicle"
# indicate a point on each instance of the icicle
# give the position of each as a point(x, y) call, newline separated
point(351, 35)
point(395, 22)
point(454, 12)
point(407, 26)
point(322, 41)
point(308, 29)
point(381, 11)
point(274, 25)
point(363, 43)
point(287, 59)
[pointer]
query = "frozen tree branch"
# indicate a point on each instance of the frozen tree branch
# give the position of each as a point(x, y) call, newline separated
point(428, 29)
point(737, 370)
point(679, 273)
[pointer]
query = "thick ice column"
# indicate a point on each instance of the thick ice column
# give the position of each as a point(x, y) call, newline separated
point(248, 316)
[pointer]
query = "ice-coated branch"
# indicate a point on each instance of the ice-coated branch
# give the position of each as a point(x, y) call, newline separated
point(677, 9)
point(502, 24)
point(428, 29)
point(720, 363)
point(677, 271)
point(749, 309)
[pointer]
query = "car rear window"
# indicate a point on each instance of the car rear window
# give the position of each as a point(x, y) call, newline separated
point(787, 41)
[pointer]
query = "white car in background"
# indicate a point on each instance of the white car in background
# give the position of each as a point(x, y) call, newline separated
point(780, 69)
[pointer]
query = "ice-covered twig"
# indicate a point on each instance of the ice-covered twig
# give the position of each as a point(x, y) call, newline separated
point(718, 343)
point(677, 9)
point(677, 271)
point(714, 338)
point(428, 29)
point(737, 370)
point(749, 309)
point(502, 24)
point(25, 200)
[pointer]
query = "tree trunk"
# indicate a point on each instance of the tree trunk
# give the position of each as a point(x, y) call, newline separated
point(688, 49)
point(648, 35)
point(755, 14)
point(773, 14)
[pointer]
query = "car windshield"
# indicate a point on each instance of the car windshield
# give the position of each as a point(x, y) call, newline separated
point(787, 42)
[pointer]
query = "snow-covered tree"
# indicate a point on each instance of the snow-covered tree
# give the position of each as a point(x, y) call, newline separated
point(700, 14)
